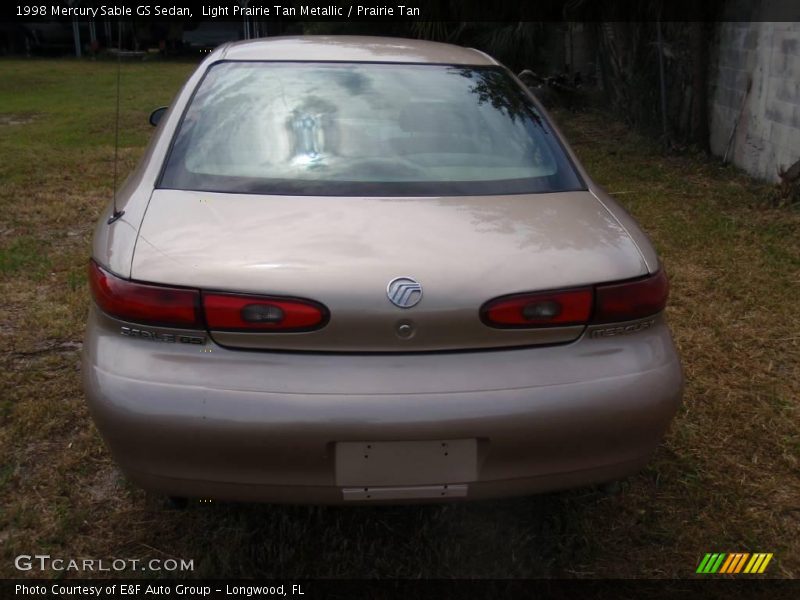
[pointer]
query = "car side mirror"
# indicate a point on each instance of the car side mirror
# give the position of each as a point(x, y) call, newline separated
point(156, 115)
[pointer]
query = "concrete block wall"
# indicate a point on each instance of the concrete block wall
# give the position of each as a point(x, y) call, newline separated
point(768, 133)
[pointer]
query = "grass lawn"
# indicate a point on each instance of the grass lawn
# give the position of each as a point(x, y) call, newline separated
point(726, 478)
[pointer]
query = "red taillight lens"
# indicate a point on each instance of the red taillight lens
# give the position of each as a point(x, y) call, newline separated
point(615, 302)
point(141, 303)
point(570, 307)
point(233, 312)
point(632, 299)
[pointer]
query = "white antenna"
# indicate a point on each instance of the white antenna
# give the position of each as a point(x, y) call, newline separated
point(117, 213)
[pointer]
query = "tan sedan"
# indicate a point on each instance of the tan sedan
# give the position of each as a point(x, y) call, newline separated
point(371, 270)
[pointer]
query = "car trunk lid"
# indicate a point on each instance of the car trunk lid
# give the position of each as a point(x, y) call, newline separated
point(343, 252)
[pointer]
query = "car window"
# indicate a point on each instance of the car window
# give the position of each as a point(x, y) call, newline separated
point(363, 128)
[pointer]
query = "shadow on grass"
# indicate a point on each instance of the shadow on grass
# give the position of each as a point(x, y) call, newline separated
point(526, 537)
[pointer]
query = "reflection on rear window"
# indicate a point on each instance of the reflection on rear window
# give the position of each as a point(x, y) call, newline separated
point(360, 128)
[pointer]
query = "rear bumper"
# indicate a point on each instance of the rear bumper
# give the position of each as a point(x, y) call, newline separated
point(209, 422)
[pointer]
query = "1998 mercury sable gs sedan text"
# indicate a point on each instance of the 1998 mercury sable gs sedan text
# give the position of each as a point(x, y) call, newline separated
point(355, 269)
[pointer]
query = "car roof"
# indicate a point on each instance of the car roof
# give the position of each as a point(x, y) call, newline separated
point(348, 48)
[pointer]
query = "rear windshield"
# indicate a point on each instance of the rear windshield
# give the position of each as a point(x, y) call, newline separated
point(350, 129)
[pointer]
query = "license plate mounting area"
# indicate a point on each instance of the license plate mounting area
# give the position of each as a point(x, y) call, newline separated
point(406, 463)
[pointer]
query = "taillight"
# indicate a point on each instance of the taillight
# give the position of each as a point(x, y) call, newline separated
point(143, 303)
point(571, 307)
point(606, 303)
point(235, 312)
point(631, 299)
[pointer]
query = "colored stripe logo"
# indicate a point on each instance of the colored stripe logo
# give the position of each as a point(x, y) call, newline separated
point(733, 563)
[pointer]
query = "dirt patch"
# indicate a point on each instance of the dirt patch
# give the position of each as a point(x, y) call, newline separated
point(106, 485)
point(10, 119)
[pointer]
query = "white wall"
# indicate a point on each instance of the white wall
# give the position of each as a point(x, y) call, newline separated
point(768, 134)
